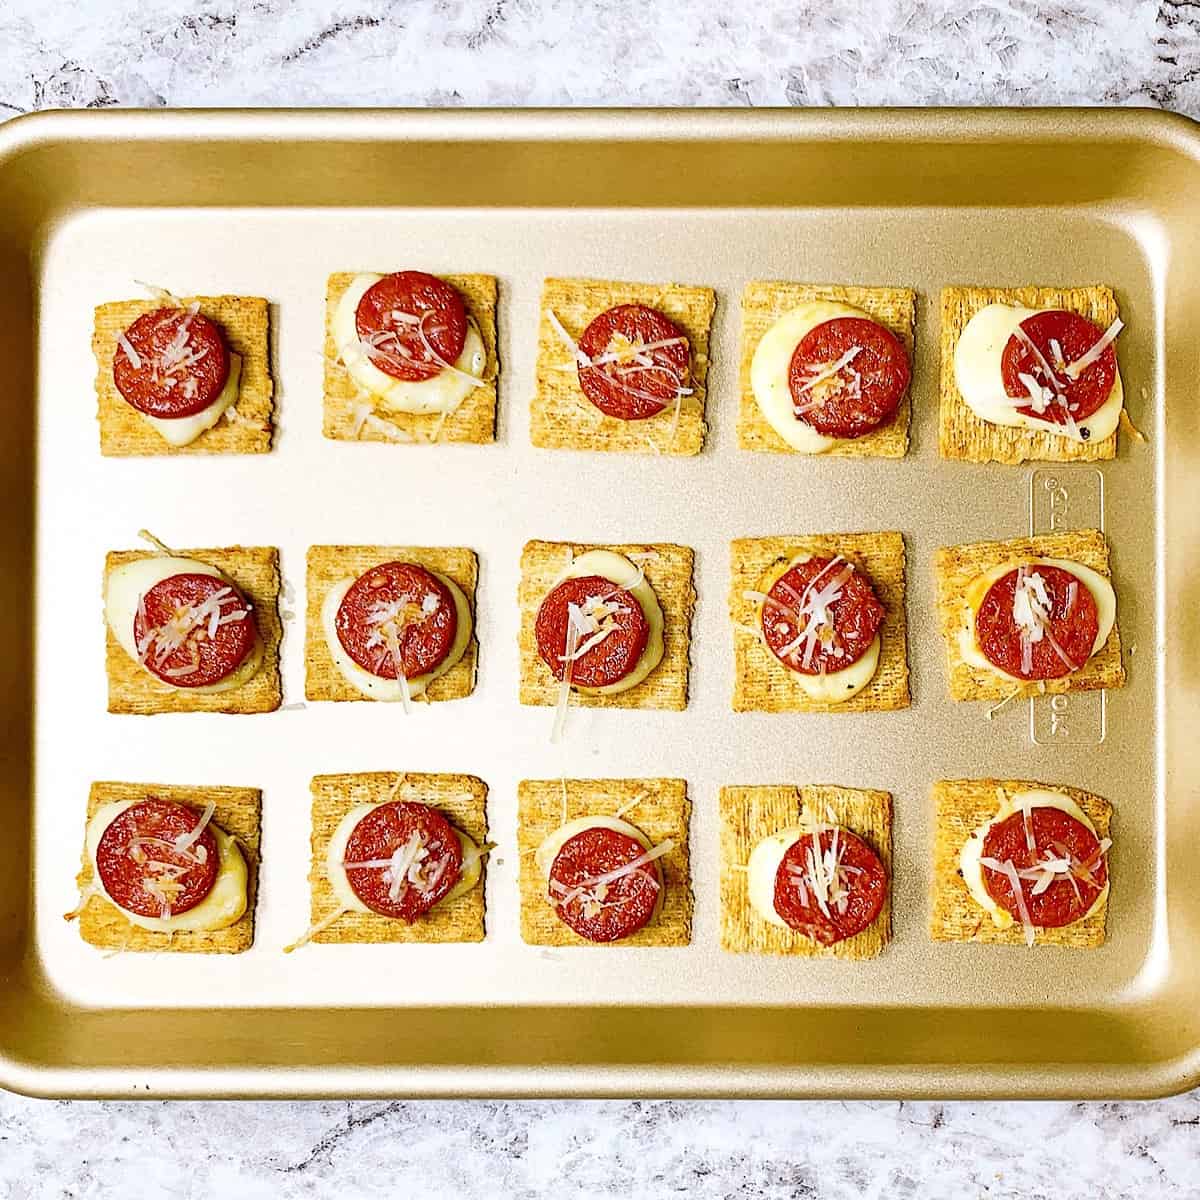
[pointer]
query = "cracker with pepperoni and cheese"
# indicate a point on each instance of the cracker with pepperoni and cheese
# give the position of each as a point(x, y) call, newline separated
point(1019, 863)
point(184, 375)
point(397, 858)
point(410, 357)
point(193, 630)
point(604, 862)
point(818, 623)
point(622, 366)
point(806, 871)
point(1030, 374)
point(825, 369)
point(1029, 616)
point(167, 867)
point(605, 626)
point(390, 623)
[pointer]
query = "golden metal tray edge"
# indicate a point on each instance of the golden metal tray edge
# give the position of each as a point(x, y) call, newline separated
point(1145, 1040)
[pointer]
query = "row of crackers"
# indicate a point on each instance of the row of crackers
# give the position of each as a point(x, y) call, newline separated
point(761, 683)
point(560, 416)
point(661, 808)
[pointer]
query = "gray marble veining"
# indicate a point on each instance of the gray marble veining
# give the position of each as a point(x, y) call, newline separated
point(445, 52)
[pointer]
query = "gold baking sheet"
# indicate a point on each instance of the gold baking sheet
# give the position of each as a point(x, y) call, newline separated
point(271, 204)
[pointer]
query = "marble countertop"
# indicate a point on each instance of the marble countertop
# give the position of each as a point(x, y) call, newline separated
point(689, 52)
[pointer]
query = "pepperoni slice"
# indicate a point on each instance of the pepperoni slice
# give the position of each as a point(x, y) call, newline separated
point(397, 605)
point(633, 387)
point(401, 834)
point(1056, 835)
point(413, 323)
point(796, 601)
point(141, 869)
point(863, 392)
point(603, 606)
point(194, 630)
point(1072, 622)
point(855, 895)
point(179, 364)
point(1061, 338)
point(609, 911)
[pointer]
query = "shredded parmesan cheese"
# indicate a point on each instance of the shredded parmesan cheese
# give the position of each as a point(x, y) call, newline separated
point(592, 884)
point(312, 931)
point(1085, 360)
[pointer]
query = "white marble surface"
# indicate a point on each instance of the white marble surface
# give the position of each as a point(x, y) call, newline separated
point(181, 52)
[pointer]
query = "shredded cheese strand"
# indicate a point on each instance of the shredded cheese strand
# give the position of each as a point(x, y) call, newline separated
point(1075, 369)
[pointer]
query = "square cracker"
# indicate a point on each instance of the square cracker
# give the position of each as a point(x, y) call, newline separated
point(761, 683)
point(563, 418)
point(964, 435)
point(132, 689)
point(749, 814)
point(765, 301)
point(329, 565)
point(245, 321)
point(461, 799)
point(238, 812)
point(957, 566)
point(662, 811)
point(669, 574)
point(474, 420)
point(960, 807)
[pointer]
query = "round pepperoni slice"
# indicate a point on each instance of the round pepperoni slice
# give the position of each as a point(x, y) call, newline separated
point(402, 858)
point(847, 376)
point(178, 365)
point(604, 609)
point(821, 616)
point(629, 383)
point(1065, 610)
point(847, 894)
point(397, 607)
point(1061, 338)
point(599, 909)
point(1060, 839)
point(193, 630)
point(413, 324)
point(140, 867)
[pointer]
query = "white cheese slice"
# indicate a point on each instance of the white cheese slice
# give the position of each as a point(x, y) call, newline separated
point(372, 686)
point(977, 590)
point(224, 905)
point(618, 570)
point(972, 851)
point(977, 359)
point(441, 394)
point(335, 857)
point(833, 687)
point(181, 431)
point(769, 372)
point(125, 586)
point(763, 868)
point(549, 850)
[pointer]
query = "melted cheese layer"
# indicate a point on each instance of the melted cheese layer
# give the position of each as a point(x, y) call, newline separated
point(372, 686)
point(441, 394)
point(618, 570)
point(977, 590)
point(977, 359)
point(224, 905)
point(335, 856)
point(833, 687)
point(180, 431)
point(125, 586)
point(769, 372)
point(762, 869)
point(972, 851)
